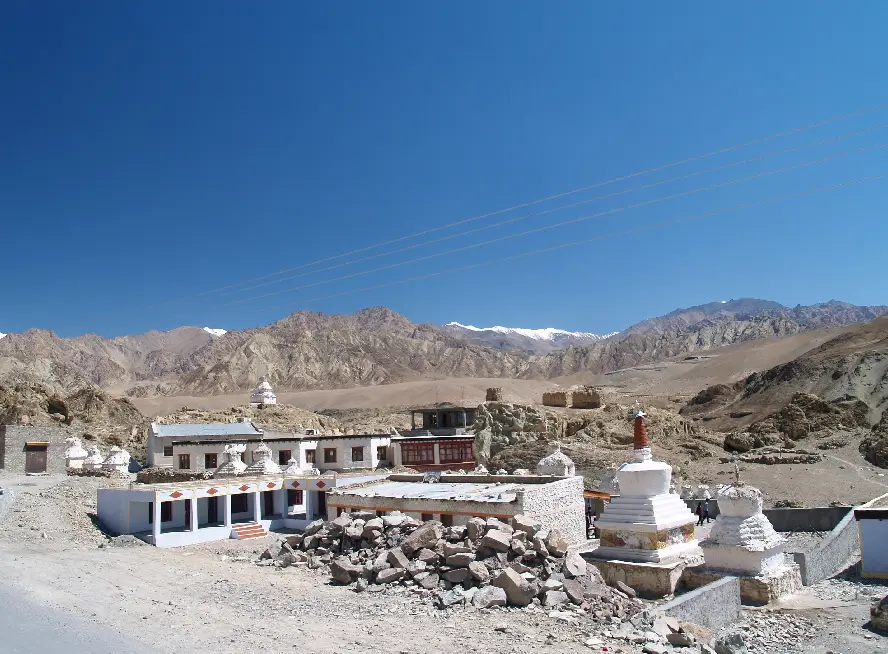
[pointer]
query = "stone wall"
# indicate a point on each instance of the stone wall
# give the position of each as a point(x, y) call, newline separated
point(557, 398)
point(714, 606)
point(586, 398)
point(14, 437)
point(494, 394)
point(835, 552)
point(558, 505)
point(822, 518)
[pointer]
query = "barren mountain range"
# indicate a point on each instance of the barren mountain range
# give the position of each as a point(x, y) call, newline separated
point(377, 346)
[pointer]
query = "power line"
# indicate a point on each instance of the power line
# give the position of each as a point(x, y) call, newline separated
point(625, 232)
point(560, 208)
point(556, 196)
point(563, 223)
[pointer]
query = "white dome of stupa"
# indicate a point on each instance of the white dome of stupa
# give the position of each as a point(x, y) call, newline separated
point(118, 459)
point(557, 464)
point(232, 464)
point(262, 463)
point(94, 458)
point(263, 393)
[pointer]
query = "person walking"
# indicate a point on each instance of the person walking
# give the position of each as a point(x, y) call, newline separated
point(699, 513)
point(705, 511)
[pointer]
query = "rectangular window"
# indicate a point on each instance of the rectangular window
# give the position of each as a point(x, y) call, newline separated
point(184, 462)
point(210, 462)
point(329, 455)
point(446, 520)
point(284, 457)
point(382, 453)
point(357, 454)
point(457, 452)
point(417, 453)
point(426, 517)
point(239, 503)
point(168, 450)
point(295, 497)
point(309, 456)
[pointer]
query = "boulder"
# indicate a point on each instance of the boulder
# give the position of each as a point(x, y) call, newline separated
point(556, 543)
point(879, 614)
point(355, 530)
point(495, 523)
point(625, 588)
point(525, 524)
point(314, 527)
point(475, 528)
point(552, 584)
point(425, 536)
point(574, 566)
point(428, 556)
point(457, 575)
point(681, 640)
point(398, 559)
point(344, 571)
point(339, 524)
point(539, 545)
point(389, 575)
point(731, 643)
point(496, 540)
point(518, 547)
point(555, 598)
point(416, 567)
point(479, 572)
point(574, 590)
point(461, 560)
point(455, 548)
point(450, 598)
point(429, 582)
point(519, 591)
point(361, 585)
point(489, 596)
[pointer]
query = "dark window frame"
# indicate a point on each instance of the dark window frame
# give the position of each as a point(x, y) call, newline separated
point(358, 449)
point(187, 458)
point(327, 455)
point(168, 450)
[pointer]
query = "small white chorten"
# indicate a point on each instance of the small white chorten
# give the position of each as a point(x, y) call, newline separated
point(94, 458)
point(557, 464)
point(262, 464)
point(232, 465)
point(118, 460)
point(293, 468)
point(646, 522)
point(743, 539)
point(262, 394)
point(75, 455)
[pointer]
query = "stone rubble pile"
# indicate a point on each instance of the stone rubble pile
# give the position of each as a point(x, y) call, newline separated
point(484, 563)
point(768, 631)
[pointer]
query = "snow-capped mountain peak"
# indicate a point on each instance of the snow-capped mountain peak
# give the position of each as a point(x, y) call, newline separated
point(215, 332)
point(545, 334)
point(2, 334)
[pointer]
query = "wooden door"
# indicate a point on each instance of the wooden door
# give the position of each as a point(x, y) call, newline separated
point(35, 458)
point(267, 503)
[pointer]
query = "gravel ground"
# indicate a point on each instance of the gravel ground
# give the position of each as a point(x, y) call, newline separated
point(214, 594)
point(804, 541)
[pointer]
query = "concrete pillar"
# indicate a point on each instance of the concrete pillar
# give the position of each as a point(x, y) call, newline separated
point(155, 525)
point(462, 416)
point(194, 517)
point(309, 505)
point(226, 510)
point(412, 420)
point(257, 507)
point(437, 453)
point(280, 503)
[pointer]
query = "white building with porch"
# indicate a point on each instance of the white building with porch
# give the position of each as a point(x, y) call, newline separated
point(175, 514)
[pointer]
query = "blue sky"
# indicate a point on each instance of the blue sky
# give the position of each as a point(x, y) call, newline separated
point(152, 152)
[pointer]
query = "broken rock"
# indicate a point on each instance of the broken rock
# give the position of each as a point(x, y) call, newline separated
point(425, 536)
point(574, 566)
point(389, 575)
point(344, 571)
point(489, 596)
point(525, 524)
point(461, 560)
point(624, 588)
point(479, 572)
point(556, 543)
point(574, 590)
point(519, 591)
point(496, 540)
point(555, 598)
point(398, 559)
point(731, 643)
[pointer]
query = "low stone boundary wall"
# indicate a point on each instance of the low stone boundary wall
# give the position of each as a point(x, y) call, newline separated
point(714, 606)
point(822, 518)
point(833, 554)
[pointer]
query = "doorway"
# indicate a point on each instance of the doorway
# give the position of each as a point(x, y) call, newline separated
point(35, 458)
point(213, 510)
point(187, 514)
point(267, 504)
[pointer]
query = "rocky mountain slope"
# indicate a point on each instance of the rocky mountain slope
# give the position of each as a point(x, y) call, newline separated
point(851, 365)
point(377, 346)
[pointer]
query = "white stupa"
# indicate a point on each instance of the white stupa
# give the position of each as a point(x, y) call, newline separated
point(557, 464)
point(646, 522)
point(232, 465)
point(75, 454)
point(293, 468)
point(263, 394)
point(94, 458)
point(118, 460)
point(262, 463)
point(743, 539)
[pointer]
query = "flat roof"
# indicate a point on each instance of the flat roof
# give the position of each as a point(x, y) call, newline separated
point(184, 430)
point(358, 476)
point(417, 490)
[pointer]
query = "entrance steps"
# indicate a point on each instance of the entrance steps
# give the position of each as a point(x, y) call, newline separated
point(245, 530)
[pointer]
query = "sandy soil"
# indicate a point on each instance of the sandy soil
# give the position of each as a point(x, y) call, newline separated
point(417, 393)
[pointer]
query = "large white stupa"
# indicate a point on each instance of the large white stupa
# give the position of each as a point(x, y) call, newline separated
point(263, 394)
point(645, 522)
